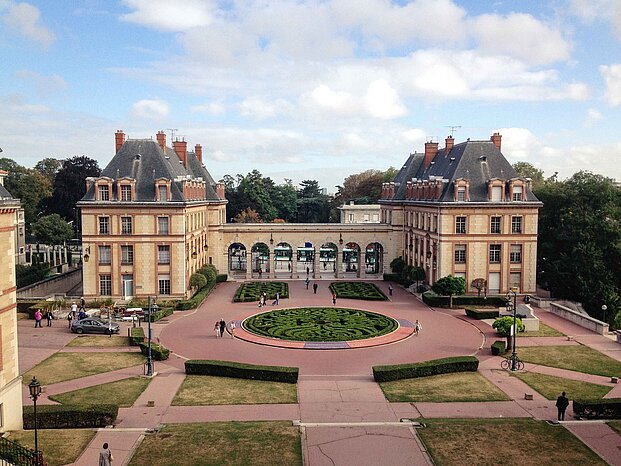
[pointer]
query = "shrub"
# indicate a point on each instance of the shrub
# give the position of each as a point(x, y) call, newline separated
point(433, 300)
point(391, 277)
point(241, 371)
point(499, 347)
point(209, 272)
point(198, 280)
point(504, 324)
point(161, 313)
point(70, 417)
point(196, 300)
point(480, 314)
point(425, 368)
point(357, 290)
point(158, 352)
point(598, 409)
point(136, 336)
point(221, 277)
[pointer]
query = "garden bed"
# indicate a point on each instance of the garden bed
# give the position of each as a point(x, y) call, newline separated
point(357, 290)
point(251, 291)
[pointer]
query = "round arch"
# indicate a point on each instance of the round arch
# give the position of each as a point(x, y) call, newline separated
point(374, 259)
point(260, 259)
point(237, 261)
point(351, 259)
point(283, 254)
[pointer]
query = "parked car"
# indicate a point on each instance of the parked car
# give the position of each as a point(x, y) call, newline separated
point(94, 325)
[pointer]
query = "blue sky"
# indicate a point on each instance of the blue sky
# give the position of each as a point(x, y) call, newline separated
point(314, 89)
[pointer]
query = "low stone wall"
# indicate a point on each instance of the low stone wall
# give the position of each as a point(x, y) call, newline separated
point(538, 301)
point(54, 285)
point(587, 322)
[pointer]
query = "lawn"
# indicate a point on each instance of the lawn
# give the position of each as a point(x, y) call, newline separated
point(357, 290)
point(484, 442)
point(201, 390)
point(99, 341)
point(544, 331)
point(577, 358)
point(551, 387)
point(459, 386)
point(222, 443)
point(122, 393)
point(615, 425)
point(68, 366)
point(251, 291)
point(59, 446)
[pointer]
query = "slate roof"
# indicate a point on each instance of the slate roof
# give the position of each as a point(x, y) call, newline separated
point(476, 161)
point(145, 161)
point(4, 194)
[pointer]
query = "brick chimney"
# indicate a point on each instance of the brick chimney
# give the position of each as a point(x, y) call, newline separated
point(119, 138)
point(220, 190)
point(181, 149)
point(161, 139)
point(431, 149)
point(496, 137)
point(448, 144)
point(198, 151)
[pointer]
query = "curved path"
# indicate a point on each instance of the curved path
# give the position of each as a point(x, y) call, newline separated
point(191, 336)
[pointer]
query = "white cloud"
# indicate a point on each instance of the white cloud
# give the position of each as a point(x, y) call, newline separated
point(153, 109)
point(382, 101)
point(25, 19)
point(43, 84)
point(338, 101)
point(593, 116)
point(261, 109)
point(606, 10)
point(166, 15)
point(211, 108)
point(612, 79)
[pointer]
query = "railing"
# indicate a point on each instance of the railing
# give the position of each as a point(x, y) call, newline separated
point(14, 453)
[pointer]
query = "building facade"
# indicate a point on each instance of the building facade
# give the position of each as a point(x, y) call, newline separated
point(361, 213)
point(155, 216)
point(464, 211)
point(10, 380)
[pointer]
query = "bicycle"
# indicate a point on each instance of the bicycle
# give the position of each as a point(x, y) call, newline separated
point(507, 364)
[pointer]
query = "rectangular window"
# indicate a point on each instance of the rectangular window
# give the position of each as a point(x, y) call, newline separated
point(460, 224)
point(162, 193)
point(104, 193)
point(126, 193)
point(494, 253)
point(375, 218)
point(460, 253)
point(104, 255)
point(163, 284)
point(351, 218)
point(496, 193)
point(461, 194)
point(517, 195)
point(366, 217)
point(126, 225)
point(127, 255)
point(163, 254)
point(515, 255)
point(495, 225)
point(104, 225)
point(162, 225)
point(516, 224)
point(105, 285)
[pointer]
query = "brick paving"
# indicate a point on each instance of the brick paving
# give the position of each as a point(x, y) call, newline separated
point(343, 416)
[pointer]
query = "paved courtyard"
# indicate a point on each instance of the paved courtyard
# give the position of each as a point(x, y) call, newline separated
point(343, 416)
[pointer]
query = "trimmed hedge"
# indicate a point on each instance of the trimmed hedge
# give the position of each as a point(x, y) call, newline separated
point(221, 277)
point(136, 336)
point(357, 290)
point(161, 313)
point(196, 300)
point(70, 417)
point(158, 352)
point(425, 368)
point(251, 291)
point(433, 300)
point(240, 370)
point(481, 314)
point(604, 408)
point(499, 347)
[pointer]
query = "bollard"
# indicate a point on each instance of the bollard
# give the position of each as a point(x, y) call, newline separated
point(528, 396)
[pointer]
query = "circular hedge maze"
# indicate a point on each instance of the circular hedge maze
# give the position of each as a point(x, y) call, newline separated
point(320, 324)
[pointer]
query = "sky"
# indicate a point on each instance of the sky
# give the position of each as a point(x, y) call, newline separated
point(314, 89)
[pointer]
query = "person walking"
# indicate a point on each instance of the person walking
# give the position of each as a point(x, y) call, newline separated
point(307, 281)
point(315, 286)
point(275, 302)
point(82, 303)
point(222, 327)
point(69, 318)
point(105, 456)
point(333, 299)
point(232, 325)
point(561, 405)
point(49, 316)
point(216, 328)
point(74, 309)
point(417, 327)
point(38, 317)
point(390, 290)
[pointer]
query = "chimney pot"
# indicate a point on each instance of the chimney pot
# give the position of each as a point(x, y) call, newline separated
point(119, 139)
point(181, 149)
point(198, 151)
point(431, 149)
point(161, 140)
point(496, 139)
point(448, 144)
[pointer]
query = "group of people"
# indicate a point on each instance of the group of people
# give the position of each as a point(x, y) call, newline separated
point(220, 326)
point(38, 315)
point(263, 299)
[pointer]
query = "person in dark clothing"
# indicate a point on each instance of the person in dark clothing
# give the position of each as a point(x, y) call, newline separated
point(222, 327)
point(334, 299)
point(49, 316)
point(315, 286)
point(561, 404)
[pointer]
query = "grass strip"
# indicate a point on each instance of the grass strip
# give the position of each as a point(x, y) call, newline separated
point(577, 358)
point(551, 386)
point(59, 446)
point(544, 331)
point(122, 393)
point(99, 341)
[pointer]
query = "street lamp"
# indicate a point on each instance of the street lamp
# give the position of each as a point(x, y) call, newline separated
point(604, 308)
point(513, 354)
point(149, 358)
point(34, 387)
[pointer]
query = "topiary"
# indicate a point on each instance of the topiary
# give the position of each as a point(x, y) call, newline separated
point(504, 324)
point(198, 280)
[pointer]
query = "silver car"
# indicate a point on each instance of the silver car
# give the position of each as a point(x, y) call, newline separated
point(94, 325)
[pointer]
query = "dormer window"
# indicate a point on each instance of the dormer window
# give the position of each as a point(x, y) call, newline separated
point(162, 193)
point(162, 190)
point(517, 196)
point(461, 190)
point(104, 192)
point(496, 190)
point(461, 194)
point(126, 192)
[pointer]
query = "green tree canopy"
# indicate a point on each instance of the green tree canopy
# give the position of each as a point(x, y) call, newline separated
point(70, 185)
point(198, 280)
point(528, 170)
point(52, 230)
point(449, 286)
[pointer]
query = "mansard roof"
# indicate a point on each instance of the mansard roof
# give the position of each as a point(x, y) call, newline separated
point(144, 161)
point(478, 162)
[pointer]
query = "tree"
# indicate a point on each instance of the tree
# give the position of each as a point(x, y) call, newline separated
point(449, 286)
point(52, 230)
point(70, 185)
point(198, 281)
point(397, 265)
point(209, 272)
point(313, 207)
point(417, 274)
point(248, 216)
point(504, 324)
point(479, 284)
point(48, 167)
point(528, 170)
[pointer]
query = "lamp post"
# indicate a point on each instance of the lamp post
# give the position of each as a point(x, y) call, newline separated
point(149, 359)
point(604, 308)
point(34, 387)
point(513, 354)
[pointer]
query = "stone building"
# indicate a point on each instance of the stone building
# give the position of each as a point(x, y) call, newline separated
point(361, 213)
point(464, 211)
point(10, 380)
